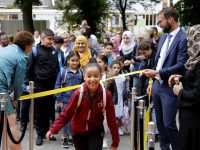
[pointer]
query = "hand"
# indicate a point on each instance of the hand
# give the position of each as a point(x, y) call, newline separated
point(49, 134)
point(60, 105)
point(171, 79)
point(113, 148)
point(133, 62)
point(148, 88)
point(140, 58)
point(13, 102)
point(90, 46)
point(28, 88)
point(84, 22)
point(150, 73)
point(177, 88)
point(140, 75)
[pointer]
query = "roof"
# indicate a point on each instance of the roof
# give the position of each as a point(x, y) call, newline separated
point(10, 2)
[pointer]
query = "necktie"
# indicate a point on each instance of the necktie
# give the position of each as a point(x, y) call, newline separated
point(165, 54)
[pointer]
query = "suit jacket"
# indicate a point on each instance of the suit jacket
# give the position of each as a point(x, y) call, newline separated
point(176, 56)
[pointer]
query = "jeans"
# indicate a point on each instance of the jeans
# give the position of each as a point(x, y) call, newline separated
point(67, 128)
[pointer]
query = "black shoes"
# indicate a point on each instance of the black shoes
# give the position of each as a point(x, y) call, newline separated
point(22, 127)
point(39, 140)
point(65, 143)
point(50, 139)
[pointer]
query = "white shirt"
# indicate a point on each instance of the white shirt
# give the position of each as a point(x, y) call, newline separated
point(174, 33)
point(37, 40)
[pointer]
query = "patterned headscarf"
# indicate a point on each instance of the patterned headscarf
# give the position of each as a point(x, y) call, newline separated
point(86, 54)
point(193, 38)
point(116, 49)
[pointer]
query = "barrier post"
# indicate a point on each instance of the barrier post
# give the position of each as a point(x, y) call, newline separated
point(134, 98)
point(3, 108)
point(151, 135)
point(31, 84)
point(141, 108)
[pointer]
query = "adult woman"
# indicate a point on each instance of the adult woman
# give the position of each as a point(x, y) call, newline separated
point(188, 92)
point(127, 47)
point(81, 46)
point(115, 42)
point(12, 70)
point(119, 37)
point(65, 37)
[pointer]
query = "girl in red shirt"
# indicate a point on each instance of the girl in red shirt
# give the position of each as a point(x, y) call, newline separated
point(87, 118)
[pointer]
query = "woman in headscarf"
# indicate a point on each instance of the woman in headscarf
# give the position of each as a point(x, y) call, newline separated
point(115, 42)
point(188, 92)
point(81, 46)
point(127, 46)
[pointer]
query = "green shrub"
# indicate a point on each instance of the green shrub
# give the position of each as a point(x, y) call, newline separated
point(160, 33)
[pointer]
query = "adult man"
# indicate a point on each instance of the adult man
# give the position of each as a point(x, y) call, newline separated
point(36, 37)
point(3, 40)
point(170, 59)
point(43, 68)
point(154, 34)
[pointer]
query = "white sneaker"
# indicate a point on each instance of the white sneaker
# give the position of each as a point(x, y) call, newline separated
point(105, 145)
point(120, 131)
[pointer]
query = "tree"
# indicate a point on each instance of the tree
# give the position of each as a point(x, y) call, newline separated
point(26, 7)
point(94, 11)
point(189, 12)
point(11, 7)
point(123, 5)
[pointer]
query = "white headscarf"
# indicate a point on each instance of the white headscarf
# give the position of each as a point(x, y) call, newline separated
point(127, 49)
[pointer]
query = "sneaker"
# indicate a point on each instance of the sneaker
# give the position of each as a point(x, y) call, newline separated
point(18, 117)
point(105, 145)
point(65, 143)
point(120, 131)
point(70, 141)
point(39, 140)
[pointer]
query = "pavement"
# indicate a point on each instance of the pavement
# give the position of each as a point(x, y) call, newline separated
point(56, 145)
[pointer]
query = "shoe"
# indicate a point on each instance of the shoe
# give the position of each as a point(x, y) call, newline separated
point(70, 140)
point(157, 138)
point(52, 139)
point(105, 145)
point(21, 128)
point(39, 140)
point(65, 143)
point(18, 118)
point(120, 131)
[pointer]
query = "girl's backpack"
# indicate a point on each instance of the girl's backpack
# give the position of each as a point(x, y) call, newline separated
point(126, 119)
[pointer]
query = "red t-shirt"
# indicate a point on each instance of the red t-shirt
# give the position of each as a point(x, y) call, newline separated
point(79, 117)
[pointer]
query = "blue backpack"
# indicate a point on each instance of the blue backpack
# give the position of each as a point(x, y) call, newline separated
point(35, 50)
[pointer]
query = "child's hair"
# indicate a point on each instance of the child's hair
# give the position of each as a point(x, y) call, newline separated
point(117, 62)
point(146, 45)
point(107, 38)
point(104, 59)
point(92, 59)
point(102, 45)
point(47, 32)
point(92, 64)
point(58, 40)
point(72, 35)
point(109, 43)
point(11, 38)
point(120, 58)
point(71, 54)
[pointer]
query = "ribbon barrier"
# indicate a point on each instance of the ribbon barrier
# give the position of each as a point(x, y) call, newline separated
point(51, 92)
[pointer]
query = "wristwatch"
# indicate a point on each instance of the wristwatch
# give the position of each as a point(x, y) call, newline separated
point(157, 74)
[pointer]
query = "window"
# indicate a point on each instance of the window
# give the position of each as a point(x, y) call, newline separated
point(13, 16)
point(165, 3)
point(3, 16)
point(115, 20)
point(147, 20)
point(135, 20)
point(155, 18)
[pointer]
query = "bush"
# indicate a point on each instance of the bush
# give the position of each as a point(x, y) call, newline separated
point(160, 33)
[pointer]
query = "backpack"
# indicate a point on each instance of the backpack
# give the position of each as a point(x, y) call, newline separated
point(81, 90)
point(64, 75)
point(35, 50)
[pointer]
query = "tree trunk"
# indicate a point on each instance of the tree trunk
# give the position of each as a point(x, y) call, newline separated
point(27, 19)
point(124, 19)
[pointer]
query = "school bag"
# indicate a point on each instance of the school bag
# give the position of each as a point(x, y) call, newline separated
point(63, 74)
point(81, 90)
point(62, 53)
point(126, 119)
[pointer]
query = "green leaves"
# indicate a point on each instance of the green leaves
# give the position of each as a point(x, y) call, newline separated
point(23, 4)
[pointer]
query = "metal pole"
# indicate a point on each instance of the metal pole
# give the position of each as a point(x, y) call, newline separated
point(133, 117)
point(141, 108)
point(151, 135)
point(3, 108)
point(31, 84)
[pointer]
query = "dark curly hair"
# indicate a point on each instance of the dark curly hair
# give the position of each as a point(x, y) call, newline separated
point(23, 39)
point(147, 44)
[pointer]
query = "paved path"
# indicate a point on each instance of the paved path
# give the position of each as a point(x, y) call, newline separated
point(56, 145)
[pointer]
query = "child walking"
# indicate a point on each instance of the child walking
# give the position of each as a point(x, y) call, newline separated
point(70, 75)
point(110, 85)
point(121, 84)
point(108, 52)
point(86, 113)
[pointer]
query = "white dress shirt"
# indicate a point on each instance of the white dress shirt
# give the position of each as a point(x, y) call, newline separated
point(163, 49)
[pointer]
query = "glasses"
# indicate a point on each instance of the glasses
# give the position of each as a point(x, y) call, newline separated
point(159, 22)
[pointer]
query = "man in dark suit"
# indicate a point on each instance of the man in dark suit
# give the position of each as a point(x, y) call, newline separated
point(170, 59)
